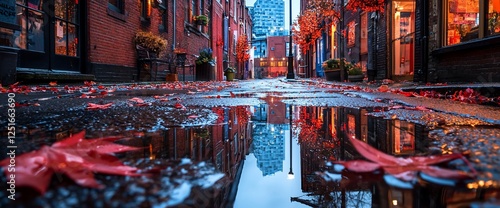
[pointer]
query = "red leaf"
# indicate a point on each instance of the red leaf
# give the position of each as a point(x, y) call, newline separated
point(179, 106)
point(383, 88)
point(75, 156)
point(404, 168)
point(136, 99)
point(93, 106)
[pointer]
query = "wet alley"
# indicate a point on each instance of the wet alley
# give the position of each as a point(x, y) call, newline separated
point(257, 143)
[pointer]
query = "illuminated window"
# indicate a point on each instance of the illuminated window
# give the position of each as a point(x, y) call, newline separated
point(66, 28)
point(404, 137)
point(145, 10)
point(462, 21)
point(351, 36)
point(493, 17)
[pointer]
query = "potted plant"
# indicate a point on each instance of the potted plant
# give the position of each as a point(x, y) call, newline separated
point(355, 72)
point(204, 64)
point(155, 44)
point(201, 20)
point(229, 72)
point(331, 67)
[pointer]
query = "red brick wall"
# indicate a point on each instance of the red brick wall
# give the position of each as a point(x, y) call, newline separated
point(111, 38)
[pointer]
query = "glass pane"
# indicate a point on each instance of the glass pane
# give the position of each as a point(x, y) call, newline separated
point(35, 4)
point(72, 40)
point(60, 38)
point(20, 36)
point(494, 17)
point(403, 33)
point(462, 21)
point(6, 37)
point(35, 31)
point(72, 8)
point(60, 9)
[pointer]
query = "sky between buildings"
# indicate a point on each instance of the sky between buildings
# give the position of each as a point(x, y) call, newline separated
point(295, 10)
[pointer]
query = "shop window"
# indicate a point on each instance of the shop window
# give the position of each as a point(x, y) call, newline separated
point(116, 6)
point(493, 17)
point(66, 28)
point(462, 21)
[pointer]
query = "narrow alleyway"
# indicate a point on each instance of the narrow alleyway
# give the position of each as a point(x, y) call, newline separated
point(263, 142)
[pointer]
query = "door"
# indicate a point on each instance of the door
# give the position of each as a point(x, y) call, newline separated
point(403, 42)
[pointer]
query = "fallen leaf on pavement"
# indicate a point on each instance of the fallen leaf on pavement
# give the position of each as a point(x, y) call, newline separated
point(93, 106)
point(76, 157)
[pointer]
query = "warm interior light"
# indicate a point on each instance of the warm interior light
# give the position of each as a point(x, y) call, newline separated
point(148, 7)
point(395, 202)
point(496, 6)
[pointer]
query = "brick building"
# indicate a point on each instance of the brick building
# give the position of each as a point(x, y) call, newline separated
point(94, 39)
point(275, 62)
point(418, 40)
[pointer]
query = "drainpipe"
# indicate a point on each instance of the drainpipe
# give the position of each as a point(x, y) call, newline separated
point(174, 10)
point(422, 72)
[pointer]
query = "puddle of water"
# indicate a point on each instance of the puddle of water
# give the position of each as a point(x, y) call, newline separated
point(275, 155)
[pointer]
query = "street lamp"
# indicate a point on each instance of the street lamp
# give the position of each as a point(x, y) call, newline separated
point(290, 74)
point(290, 173)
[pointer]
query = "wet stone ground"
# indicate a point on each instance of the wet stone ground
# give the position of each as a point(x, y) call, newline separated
point(44, 118)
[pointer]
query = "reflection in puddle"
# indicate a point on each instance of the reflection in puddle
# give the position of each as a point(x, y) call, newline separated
point(276, 155)
point(318, 135)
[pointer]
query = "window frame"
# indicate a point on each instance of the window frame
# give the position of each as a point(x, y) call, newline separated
point(119, 8)
point(482, 24)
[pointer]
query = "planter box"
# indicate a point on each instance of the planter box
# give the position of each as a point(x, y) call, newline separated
point(8, 64)
point(229, 76)
point(204, 72)
point(332, 75)
point(355, 78)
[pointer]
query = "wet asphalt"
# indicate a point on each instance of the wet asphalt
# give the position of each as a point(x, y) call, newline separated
point(149, 107)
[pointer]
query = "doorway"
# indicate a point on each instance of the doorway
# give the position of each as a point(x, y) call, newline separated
point(403, 39)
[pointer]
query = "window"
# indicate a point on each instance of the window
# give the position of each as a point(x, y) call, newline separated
point(462, 21)
point(192, 9)
point(465, 21)
point(30, 18)
point(66, 28)
point(117, 6)
point(163, 27)
point(145, 10)
point(493, 17)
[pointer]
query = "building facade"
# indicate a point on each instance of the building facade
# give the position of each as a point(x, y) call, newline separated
point(417, 40)
point(268, 17)
point(95, 38)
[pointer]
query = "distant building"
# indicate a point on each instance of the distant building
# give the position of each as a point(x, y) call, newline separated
point(268, 17)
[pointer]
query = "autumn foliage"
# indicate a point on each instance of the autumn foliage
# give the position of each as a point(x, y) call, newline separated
point(319, 15)
point(242, 48)
point(366, 5)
